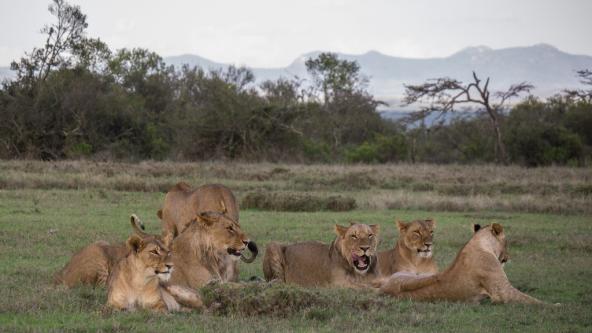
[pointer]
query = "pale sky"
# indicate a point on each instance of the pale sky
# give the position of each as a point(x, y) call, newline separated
point(272, 33)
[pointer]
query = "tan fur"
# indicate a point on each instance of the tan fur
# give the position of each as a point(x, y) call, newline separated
point(476, 273)
point(140, 279)
point(413, 250)
point(317, 264)
point(207, 250)
point(93, 264)
point(182, 204)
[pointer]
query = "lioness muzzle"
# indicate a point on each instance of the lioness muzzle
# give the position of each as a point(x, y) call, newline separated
point(254, 251)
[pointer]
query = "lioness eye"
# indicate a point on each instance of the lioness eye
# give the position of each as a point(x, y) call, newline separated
point(154, 252)
point(371, 236)
point(230, 229)
point(354, 236)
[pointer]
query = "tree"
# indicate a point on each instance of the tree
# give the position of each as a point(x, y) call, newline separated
point(444, 95)
point(585, 76)
point(334, 77)
point(63, 40)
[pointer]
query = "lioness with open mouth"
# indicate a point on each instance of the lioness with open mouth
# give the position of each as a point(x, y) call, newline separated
point(350, 261)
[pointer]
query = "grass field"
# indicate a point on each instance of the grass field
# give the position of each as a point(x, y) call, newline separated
point(50, 210)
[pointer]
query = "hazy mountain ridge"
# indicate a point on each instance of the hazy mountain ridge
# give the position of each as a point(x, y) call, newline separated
point(543, 65)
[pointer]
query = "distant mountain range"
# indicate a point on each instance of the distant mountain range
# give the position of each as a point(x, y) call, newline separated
point(547, 68)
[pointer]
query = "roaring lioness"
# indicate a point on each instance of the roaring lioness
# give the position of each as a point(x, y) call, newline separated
point(350, 261)
point(477, 272)
point(413, 250)
point(93, 264)
point(182, 204)
point(140, 279)
point(206, 250)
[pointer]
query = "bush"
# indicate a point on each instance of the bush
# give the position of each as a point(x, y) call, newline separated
point(296, 202)
point(383, 148)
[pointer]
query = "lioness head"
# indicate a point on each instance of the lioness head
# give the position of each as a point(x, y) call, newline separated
point(493, 237)
point(417, 236)
point(357, 244)
point(152, 255)
point(225, 235)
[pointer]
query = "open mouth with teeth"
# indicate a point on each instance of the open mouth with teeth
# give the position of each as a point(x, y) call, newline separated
point(361, 263)
point(234, 252)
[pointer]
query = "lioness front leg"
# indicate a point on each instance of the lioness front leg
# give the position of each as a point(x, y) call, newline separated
point(501, 290)
point(185, 296)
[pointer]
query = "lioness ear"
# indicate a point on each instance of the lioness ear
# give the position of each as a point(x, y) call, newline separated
point(497, 229)
point(431, 223)
point(476, 227)
point(135, 243)
point(402, 225)
point(375, 228)
point(167, 238)
point(205, 218)
point(340, 230)
point(224, 210)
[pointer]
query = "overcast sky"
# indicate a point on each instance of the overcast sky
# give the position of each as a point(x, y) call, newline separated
point(272, 33)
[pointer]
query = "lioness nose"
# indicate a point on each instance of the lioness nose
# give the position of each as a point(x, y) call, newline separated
point(364, 248)
point(428, 244)
point(169, 266)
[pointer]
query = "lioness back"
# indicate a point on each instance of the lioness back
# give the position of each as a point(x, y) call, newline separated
point(91, 265)
point(308, 263)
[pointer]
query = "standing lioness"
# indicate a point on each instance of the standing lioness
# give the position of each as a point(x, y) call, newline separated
point(182, 204)
point(476, 273)
point(350, 261)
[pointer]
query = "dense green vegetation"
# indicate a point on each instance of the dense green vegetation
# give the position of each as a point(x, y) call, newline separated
point(76, 98)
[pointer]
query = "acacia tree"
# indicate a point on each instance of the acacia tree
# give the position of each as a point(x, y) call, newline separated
point(585, 76)
point(445, 95)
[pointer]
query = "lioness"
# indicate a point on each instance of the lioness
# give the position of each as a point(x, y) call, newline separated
point(477, 272)
point(139, 279)
point(413, 250)
point(182, 204)
point(93, 264)
point(206, 250)
point(350, 261)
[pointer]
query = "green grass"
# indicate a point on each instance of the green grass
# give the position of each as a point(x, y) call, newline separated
point(551, 259)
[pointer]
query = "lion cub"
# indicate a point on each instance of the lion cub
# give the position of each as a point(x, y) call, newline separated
point(139, 279)
point(413, 250)
point(476, 273)
point(350, 261)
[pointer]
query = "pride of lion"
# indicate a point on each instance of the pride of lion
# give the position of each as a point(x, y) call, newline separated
point(202, 242)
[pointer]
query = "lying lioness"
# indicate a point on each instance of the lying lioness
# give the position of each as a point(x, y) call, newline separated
point(206, 250)
point(139, 279)
point(413, 250)
point(93, 264)
point(350, 261)
point(476, 273)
